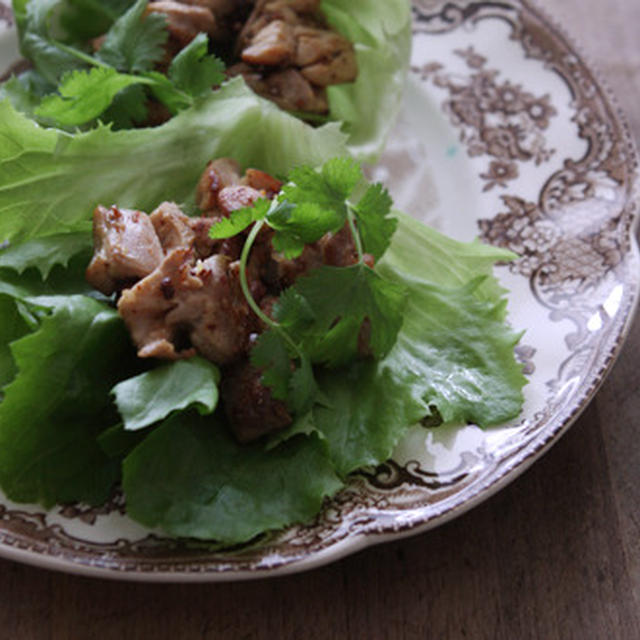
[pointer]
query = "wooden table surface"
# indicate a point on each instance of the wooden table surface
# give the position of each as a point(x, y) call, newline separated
point(554, 556)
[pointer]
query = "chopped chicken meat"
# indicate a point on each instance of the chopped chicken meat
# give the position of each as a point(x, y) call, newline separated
point(237, 197)
point(290, 55)
point(184, 21)
point(173, 228)
point(126, 248)
point(251, 409)
point(274, 44)
point(186, 307)
point(219, 174)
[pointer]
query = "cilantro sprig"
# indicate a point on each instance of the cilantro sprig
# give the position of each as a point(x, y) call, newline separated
point(112, 83)
point(326, 315)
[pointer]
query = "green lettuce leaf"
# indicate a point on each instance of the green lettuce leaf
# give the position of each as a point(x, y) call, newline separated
point(59, 402)
point(369, 410)
point(152, 396)
point(24, 282)
point(454, 352)
point(455, 349)
point(50, 180)
point(12, 327)
point(45, 253)
point(381, 32)
point(190, 478)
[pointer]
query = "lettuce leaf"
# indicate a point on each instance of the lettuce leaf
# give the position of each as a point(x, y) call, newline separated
point(381, 32)
point(59, 402)
point(45, 253)
point(191, 478)
point(454, 352)
point(12, 327)
point(153, 395)
point(50, 180)
point(187, 475)
point(455, 349)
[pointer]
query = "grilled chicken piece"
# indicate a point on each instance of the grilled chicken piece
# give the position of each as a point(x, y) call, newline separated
point(249, 405)
point(219, 174)
point(184, 21)
point(263, 182)
point(274, 44)
point(325, 57)
point(172, 227)
point(185, 307)
point(289, 55)
point(145, 306)
point(216, 314)
point(236, 197)
point(292, 92)
point(126, 248)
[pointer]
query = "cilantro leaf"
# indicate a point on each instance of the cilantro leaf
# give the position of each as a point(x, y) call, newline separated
point(84, 95)
point(328, 188)
point(288, 380)
point(36, 43)
point(303, 388)
point(342, 175)
point(135, 42)
point(375, 225)
point(301, 224)
point(270, 354)
point(239, 220)
point(337, 300)
point(195, 71)
point(129, 107)
point(152, 396)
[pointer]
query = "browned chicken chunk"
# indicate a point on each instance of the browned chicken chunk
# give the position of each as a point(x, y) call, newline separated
point(126, 248)
point(145, 306)
point(185, 307)
point(172, 227)
point(249, 405)
point(273, 45)
point(219, 174)
point(289, 55)
point(184, 21)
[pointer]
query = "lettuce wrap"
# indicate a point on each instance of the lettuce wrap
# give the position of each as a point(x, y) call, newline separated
point(81, 413)
point(49, 30)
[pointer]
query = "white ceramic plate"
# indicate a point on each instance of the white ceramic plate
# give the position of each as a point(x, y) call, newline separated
point(506, 134)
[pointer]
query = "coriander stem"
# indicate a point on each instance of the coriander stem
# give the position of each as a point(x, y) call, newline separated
point(355, 233)
point(244, 284)
point(85, 57)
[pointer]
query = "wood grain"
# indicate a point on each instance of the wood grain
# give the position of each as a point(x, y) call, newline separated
point(555, 556)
